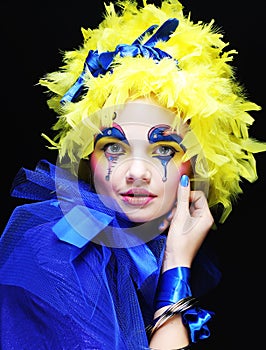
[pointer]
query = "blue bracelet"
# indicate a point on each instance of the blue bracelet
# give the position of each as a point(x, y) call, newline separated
point(173, 286)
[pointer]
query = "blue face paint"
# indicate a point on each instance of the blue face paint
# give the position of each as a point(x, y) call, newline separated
point(114, 132)
point(164, 133)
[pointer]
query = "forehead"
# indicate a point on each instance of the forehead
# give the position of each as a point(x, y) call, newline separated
point(141, 113)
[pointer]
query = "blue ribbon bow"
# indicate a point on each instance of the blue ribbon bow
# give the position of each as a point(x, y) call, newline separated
point(100, 63)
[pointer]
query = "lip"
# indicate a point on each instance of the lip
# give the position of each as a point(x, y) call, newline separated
point(138, 197)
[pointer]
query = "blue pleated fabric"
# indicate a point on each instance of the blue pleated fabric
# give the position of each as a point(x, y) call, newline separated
point(63, 290)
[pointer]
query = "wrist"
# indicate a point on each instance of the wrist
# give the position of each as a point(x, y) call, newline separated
point(171, 261)
point(169, 265)
point(173, 286)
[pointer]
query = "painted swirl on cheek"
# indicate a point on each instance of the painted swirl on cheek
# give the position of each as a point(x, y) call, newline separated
point(112, 135)
point(164, 133)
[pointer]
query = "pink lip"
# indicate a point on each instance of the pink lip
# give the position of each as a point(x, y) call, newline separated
point(137, 197)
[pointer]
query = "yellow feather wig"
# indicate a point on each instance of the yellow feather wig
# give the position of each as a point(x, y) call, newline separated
point(202, 89)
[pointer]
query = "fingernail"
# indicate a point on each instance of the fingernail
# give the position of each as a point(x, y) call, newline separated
point(184, 180)
point(161, 226)
point(169, 216)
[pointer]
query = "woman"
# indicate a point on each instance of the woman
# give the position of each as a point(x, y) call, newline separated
point(152, 144)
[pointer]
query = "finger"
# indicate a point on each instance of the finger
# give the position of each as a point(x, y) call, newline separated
point(183, 193)
point(164, 225)
point(167, 220)
point(198, 200)
point(183, 196)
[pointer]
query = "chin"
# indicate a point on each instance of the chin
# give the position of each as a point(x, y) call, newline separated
point(141, 217)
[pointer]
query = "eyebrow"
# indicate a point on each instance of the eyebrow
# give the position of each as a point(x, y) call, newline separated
point(164, 132)
point(114, 132)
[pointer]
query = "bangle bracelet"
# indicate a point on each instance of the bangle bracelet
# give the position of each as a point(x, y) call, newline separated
point(177, 308)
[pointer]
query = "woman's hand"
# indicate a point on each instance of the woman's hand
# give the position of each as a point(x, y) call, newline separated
point(189, 223)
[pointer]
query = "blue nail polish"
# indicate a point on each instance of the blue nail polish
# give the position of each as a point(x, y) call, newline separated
point(161, 226)
point(184, 180)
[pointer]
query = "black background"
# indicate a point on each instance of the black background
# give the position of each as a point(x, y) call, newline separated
point(32, 36)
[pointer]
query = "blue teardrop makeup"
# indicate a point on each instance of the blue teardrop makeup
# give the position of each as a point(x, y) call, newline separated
point(164, 133)
point(114, 132)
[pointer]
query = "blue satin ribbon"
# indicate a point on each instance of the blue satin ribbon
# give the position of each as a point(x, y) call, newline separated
point(173, 286)
point(101, 63)
point(197, 320)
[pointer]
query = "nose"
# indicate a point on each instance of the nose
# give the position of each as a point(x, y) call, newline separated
point(138, 170)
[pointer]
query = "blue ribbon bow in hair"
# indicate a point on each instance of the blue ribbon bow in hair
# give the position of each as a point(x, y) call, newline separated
point(100, 63)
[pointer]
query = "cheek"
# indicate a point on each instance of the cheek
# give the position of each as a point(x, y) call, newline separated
point(104, 174)
point(185, 168)
point(98, 167)
point(175, 171)
point(178, 168)
point(95, 162)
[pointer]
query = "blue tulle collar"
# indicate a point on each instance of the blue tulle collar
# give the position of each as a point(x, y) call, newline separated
point(82, 207)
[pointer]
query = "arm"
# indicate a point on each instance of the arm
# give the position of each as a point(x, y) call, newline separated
point(188, 224)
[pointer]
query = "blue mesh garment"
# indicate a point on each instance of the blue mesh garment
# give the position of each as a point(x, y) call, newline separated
point(62, 291)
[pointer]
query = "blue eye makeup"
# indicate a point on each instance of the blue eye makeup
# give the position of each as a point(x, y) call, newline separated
point(164, 133)
point(164, 136)
point(114, 132)
point(114, 144)
point(112, 150)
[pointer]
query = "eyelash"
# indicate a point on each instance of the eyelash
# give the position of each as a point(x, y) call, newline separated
point(109, 145)
point(172, 150)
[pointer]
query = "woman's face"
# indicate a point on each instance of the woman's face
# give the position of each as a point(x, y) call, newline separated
point(137, 162)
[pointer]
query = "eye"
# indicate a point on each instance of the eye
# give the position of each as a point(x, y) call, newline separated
point(114, 149)
point(164, 151)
